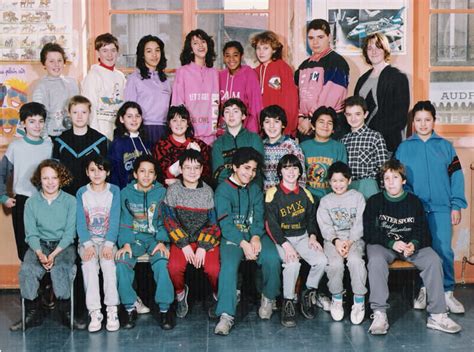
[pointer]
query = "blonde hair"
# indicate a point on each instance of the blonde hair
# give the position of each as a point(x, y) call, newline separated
point(381, 42)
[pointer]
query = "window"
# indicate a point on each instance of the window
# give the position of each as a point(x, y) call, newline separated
point(170, 20)
point(444, 61)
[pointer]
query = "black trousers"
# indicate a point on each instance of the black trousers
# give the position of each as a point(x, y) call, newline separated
point(19, 225)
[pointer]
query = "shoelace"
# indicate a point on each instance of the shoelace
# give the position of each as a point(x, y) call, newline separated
point(290, 309)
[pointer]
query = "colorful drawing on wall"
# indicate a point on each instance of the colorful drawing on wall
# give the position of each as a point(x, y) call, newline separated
point(13, 94)
point(27, 25)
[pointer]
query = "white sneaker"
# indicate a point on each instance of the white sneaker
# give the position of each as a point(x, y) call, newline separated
point(442, 322)
point(337, 310)
point(96, 321)
point(226, 322)
point(380, 324)
point(454, 306)
point(322, 302)
point(357, 313)
point(420, 301)
point(141, 308)
point(266, 308)
point(113, 323)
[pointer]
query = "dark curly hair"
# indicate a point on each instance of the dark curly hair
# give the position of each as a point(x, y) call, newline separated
point(187, 55)
point(64, 175)
point(120, 129)
point(144, 70)
point(184, 113)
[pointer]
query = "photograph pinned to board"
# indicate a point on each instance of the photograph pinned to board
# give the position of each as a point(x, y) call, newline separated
point(352, 21)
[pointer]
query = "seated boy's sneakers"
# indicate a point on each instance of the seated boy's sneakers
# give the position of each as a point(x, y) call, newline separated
point(288, 314)
point(322, 301)
point(306, 304)
point(167, 320)
point(182, 305)
point(226, 322)
point(96, 321)
point(141, 307)
point(380, 324)
point(442, 322)
point(266, 308)
point(130, 319)
point(357, 313)
point(420, 301)
point(453, 305)
point(113, 323)
point(337, 310)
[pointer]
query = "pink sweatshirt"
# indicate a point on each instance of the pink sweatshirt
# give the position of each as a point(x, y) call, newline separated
point(245, 86)
point(198, 89)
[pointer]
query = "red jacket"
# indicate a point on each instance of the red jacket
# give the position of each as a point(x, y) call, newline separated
point(278, 88)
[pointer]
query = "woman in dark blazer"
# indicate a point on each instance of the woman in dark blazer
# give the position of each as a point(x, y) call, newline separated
point(386, 91)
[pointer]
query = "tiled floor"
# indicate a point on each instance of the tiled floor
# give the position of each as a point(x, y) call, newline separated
point(407, 332)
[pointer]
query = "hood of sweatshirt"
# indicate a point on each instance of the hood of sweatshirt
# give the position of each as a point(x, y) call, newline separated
point(233, 86)
point(143, 206)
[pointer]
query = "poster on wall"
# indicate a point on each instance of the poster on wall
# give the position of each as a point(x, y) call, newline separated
point(13, 94)
point(353, 20)
point(27, 25)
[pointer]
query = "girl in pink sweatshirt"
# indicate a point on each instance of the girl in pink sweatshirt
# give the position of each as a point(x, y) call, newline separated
point(196, 84)
point(240, 81)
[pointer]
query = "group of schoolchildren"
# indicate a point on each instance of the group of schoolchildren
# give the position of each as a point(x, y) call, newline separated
point(194, 183)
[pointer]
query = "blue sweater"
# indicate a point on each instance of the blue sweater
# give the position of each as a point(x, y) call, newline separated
point(434, 172)
point(123, 152)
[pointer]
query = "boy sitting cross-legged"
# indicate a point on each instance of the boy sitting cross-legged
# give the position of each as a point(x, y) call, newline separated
point(239, 206)
point(190, 219)
point(340, 220)
point(395, 227)
point(290, 220)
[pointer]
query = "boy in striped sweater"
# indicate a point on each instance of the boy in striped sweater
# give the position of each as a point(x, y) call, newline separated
point(190, 219)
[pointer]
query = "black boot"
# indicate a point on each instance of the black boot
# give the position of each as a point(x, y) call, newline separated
point(306, 304)
point(167, 319)
point(33, 315)
point(47, 293)
point(64, 306)
point(129, 319)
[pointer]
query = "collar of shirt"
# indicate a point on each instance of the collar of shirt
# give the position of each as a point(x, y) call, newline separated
point(288, 191)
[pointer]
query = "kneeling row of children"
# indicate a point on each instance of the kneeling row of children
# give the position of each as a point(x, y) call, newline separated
point(393, 226)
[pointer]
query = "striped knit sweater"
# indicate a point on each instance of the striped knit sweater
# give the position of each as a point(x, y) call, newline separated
point(189, 216)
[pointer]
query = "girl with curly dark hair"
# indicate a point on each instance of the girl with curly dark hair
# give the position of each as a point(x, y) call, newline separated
point(197, 84)
point(50, 225)
point(149, 86)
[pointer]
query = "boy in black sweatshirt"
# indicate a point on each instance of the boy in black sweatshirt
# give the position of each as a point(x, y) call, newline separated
point(395, 227)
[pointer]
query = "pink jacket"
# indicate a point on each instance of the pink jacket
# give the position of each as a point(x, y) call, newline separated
point(243, 85)
point(198, 89)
